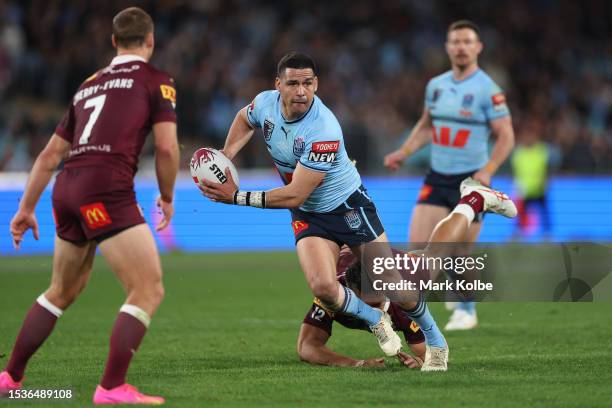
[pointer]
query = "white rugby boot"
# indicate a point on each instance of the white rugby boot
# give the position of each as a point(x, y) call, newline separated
point(461, 320)
point(436, 359)
point(494, 201)
point(388, 340)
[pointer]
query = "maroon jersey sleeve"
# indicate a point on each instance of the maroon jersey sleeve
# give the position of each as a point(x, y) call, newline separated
point(164, 99)
point(413, 334)
point(65, 129)
point(319, 317)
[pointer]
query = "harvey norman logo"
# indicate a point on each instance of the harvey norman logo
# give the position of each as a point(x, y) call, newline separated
point(324, 151)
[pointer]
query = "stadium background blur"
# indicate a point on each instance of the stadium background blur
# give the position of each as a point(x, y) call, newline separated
point(553, 59)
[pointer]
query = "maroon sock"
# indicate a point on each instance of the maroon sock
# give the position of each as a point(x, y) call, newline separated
point(474, 200)
point(36, 327)
point(125, 339)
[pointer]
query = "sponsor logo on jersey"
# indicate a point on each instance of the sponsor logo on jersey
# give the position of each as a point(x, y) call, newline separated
point(324, 151)
point(95, 215)
point(499, 101)
point(353, 220)
point(425, 192)
point(414, 327)
point(168, 92)
point(268, 128)
point(298, 146)
point(299, 226)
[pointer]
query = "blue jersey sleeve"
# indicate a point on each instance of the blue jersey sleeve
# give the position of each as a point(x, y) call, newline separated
point(256, 109)
point(429, 94)
point(494, 102)
point(322, 146)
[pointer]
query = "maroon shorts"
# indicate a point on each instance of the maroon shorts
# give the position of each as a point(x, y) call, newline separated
point(93, 202)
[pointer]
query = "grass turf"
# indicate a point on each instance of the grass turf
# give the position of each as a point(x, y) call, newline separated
point(225, 336)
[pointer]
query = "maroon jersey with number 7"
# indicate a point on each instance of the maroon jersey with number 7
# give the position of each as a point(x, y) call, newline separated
point(113, 111)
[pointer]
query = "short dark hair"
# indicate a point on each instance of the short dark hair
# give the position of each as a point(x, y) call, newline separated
point(131, 27)
point(459, 24)
point(296, 60)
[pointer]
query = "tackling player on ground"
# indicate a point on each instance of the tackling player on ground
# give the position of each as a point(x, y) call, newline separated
point(329, 205)
point(317, 326)
point(462, 108)
point(94, 204)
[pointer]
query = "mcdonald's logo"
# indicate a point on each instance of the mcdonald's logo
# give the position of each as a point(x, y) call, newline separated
point(95, 215)
point(299, 226)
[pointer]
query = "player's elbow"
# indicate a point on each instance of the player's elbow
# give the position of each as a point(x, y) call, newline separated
point(306, 352)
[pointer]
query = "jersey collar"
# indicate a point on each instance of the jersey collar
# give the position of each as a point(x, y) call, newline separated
point(455, 81)
point(125, 58)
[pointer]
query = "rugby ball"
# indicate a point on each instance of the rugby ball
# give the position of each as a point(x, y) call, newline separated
point(210, 164)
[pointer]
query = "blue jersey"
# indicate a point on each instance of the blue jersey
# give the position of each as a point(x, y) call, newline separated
point(315, 141)
point(461, 112)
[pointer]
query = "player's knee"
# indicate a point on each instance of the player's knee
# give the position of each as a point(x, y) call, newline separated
point(326, 291)
point(62, 296)
point(158, 292)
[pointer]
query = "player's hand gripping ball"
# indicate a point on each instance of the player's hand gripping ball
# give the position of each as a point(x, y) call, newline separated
point(210, 164)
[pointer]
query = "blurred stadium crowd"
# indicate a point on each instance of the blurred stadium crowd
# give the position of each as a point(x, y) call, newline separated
point(553, 59)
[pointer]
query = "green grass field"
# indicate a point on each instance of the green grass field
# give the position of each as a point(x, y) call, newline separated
point(225, 336)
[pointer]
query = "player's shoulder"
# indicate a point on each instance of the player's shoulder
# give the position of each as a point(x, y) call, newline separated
point(323, 118)
point(155, 74)
point(485, 79)
point(267, 98)
point(440, 79)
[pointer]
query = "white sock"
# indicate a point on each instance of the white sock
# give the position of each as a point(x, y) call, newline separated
point(44, 302)
point(138, 313)
point(465, 210)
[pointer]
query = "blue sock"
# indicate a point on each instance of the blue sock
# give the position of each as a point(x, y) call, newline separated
point(468, 306)
point(421, 315)
point(356, 307)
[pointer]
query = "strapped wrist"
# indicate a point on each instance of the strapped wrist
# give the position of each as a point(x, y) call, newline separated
point(250, 198)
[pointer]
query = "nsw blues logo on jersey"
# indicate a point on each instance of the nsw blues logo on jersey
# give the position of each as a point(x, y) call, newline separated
point(268, 128)
point(353, 220)
point(298, 146)
point(466, 104)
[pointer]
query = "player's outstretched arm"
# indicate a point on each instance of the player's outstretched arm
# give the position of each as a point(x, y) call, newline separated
point(419, 136)
point(239, 134)
point(312, 349)
point(44, 166)
point(504, 133)
point(166, 167)
point(292, 195)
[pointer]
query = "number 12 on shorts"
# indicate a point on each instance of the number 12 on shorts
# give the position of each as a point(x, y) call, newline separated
point(442, 136)
point(97, 104)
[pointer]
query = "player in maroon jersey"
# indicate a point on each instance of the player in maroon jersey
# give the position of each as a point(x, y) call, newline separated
point(317, 325)
point(94, 204)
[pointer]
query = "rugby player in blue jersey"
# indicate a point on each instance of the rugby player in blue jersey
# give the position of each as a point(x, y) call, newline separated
point(329, 205)
point(463, 107)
